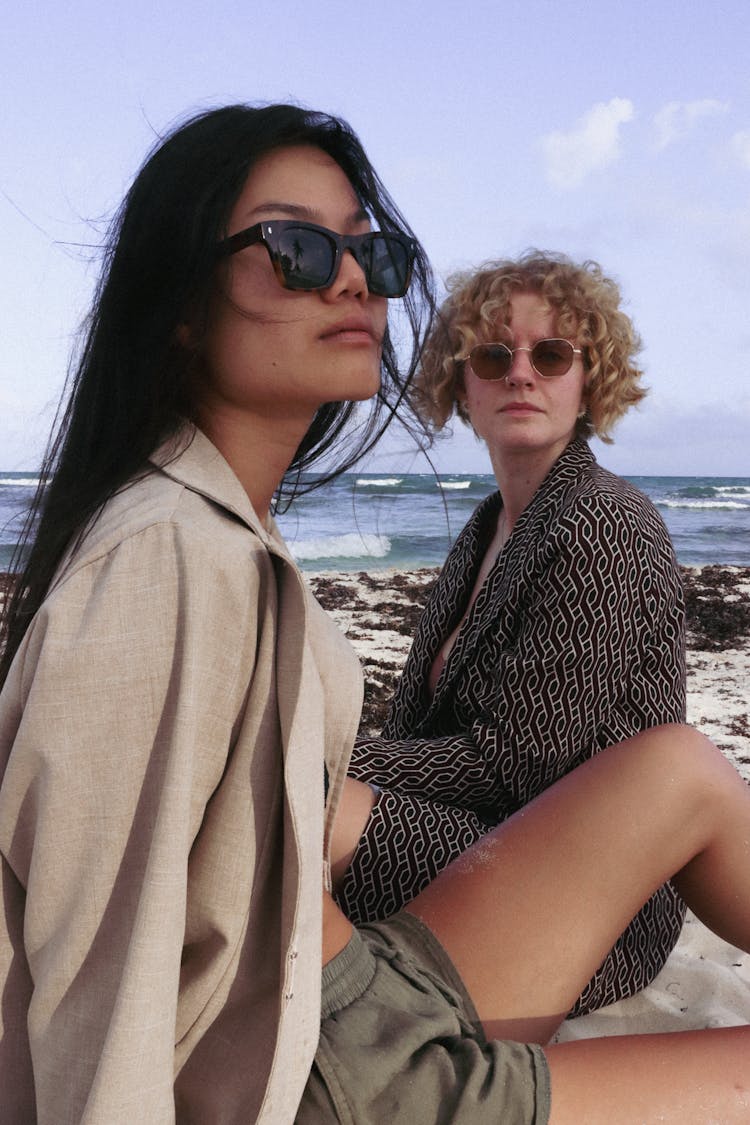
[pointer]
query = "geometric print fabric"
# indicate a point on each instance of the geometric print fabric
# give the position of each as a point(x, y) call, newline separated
point(575, 642)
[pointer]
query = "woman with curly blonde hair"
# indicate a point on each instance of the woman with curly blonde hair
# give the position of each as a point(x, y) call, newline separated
point(556, 627)
point(586, 305)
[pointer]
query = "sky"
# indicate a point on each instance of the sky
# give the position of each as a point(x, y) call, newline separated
point(613, 131)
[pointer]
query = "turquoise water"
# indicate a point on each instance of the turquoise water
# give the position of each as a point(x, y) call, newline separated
point(365, 521)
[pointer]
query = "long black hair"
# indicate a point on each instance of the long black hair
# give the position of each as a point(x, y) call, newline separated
point(131, 385)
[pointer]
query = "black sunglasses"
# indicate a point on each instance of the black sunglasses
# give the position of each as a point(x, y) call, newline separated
point(308, 257)
point(549, 358)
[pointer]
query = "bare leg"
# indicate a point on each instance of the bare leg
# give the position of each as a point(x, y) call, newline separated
point(529, 913)
point(695, 1077)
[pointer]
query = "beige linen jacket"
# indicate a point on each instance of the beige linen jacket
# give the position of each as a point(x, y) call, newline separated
point(162, 829)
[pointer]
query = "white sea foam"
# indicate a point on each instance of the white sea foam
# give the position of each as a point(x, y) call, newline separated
point(379, 482)
point(708, 505)
point(20, 482)
point(453, 485)
point(735, 493)
point(350, 546)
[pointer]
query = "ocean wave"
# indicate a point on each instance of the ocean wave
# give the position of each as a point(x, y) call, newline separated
point(709, 491)
point(725, 505)
point(19, 482)
point(734, 492)
point(351, 546)
point(697, 491)
point(378, 482)
point(452, 485)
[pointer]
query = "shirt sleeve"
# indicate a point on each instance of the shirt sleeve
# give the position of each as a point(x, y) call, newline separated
point(593, 654)
point(130, 686)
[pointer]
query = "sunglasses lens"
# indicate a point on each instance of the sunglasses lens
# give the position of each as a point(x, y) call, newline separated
point(306, 258)
point(387, 262)
point(552, 357)
point(490, 361)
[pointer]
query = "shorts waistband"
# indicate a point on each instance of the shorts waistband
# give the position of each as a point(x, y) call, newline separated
point(347, 977)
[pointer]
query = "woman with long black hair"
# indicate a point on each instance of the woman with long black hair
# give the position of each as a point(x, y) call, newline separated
point(167, 710)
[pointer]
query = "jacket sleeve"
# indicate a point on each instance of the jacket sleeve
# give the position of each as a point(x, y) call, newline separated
point(129, 689)
point(594, 653)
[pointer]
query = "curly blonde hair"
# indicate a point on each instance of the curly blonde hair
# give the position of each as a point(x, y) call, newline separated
point(586, 305)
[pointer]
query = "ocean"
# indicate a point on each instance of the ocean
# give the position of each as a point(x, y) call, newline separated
point(364, 521)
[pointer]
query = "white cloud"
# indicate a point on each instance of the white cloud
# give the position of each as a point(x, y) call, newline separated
point(592, 144)
point(741, 147)
point(675, 120)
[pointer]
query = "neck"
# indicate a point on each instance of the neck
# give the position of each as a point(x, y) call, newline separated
point(518, 478)
point(258, 454)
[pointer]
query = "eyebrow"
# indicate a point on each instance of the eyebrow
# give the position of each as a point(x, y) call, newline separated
point(301, 211)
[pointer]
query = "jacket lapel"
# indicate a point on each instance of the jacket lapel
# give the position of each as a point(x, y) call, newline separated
point(513, 574)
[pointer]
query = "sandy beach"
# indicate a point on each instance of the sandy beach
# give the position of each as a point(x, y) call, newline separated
point(705, 983)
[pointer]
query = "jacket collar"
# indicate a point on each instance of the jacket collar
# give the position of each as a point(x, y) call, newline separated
point(191, 459)
point(574, 459)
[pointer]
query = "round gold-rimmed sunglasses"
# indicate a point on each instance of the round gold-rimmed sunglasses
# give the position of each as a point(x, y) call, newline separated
point(549, 358)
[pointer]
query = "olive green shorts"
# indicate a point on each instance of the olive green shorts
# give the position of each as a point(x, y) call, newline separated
point(400, 1041)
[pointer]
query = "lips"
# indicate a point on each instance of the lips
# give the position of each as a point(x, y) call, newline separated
point(353, 326)
point(520, 408)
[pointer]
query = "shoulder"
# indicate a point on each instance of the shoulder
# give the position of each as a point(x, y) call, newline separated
point(603, 524)
point(604, 505)
point(160, 523)
point(162, 569)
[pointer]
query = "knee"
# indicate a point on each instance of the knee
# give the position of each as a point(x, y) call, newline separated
point(689, 760)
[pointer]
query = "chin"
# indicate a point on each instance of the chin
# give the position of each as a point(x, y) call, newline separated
point(353, 381)
point(359, 390)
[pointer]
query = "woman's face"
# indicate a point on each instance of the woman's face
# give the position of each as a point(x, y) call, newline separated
point(272, 356)
point(524, 413)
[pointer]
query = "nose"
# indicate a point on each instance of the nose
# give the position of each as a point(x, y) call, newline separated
point(521, 372)
point(349, 281)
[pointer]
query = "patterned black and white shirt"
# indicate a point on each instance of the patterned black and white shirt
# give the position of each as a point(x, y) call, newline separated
point(575, 642)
